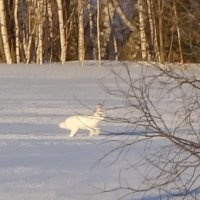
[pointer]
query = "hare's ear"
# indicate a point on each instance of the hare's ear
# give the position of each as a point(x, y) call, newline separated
point(98, 108)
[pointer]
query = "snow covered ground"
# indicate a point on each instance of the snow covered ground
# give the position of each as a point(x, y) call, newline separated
point(38, 161)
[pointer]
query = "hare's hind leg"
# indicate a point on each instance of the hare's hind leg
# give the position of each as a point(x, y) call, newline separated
point(73, 132)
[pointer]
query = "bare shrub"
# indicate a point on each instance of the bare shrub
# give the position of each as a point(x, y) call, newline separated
point(161, 111)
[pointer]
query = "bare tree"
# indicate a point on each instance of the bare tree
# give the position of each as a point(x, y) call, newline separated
point(160, 25)
point(123, 16)
point(91, 32)
point(39, 34)
point(81, 37)
point(17, 31)
point(161, 31)
point(106, 29)
point(27, 28)
point(62, 31)
point(154, 50)
point(161, 107)
point(4, 33)
point(98, 32)
point(178, 31)
point(50, 23)
point(143, 40)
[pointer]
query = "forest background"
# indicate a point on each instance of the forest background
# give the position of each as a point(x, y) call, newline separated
point(45, 31)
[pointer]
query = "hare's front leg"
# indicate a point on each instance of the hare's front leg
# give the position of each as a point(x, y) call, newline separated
point(94, 131)
point(73, 132)
point(91, 131)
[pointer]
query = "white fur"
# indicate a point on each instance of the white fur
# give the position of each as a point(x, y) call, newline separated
point(87, 122)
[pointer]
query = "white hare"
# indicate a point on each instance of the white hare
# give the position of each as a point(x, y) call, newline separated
point(87, 122)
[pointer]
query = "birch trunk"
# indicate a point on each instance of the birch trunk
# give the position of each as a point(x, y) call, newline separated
point(81, 48)
point(178, 32)
point(39, 51)
point(98, 33)
point(29, 43)
point(4, 33)
point(150, 17)
point(50, 17)
point(28, 34)
point(153, 30)
point(106, 16)
point(2, 54)
point(160, 27)
point(122, 15)
point(17, 31)
point(143, 41)
point(62, 32)
point(91, 24)
point(40, 20)
point(115, 49)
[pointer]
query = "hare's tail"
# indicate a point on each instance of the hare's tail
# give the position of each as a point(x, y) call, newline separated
point(62, 125)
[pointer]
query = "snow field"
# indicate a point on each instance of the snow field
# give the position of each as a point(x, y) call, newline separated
point(39, 161)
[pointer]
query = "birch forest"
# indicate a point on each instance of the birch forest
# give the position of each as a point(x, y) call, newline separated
point(45, 31)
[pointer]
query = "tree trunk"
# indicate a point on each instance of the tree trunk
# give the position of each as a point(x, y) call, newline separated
point(40, 14)
point(115, 48)
point(27, 34)
point(50, 17)
point(62, 32)
point(4, 33)
point(17, 44)
point(153, 31)
point(91, 24)
point(98, 32)
point(81, 46)
point(106, 16)
point(122, 15)
point(143, 41)
point(178, 32)
point(160, 27)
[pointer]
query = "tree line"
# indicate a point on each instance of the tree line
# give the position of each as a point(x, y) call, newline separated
point(61, 30)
